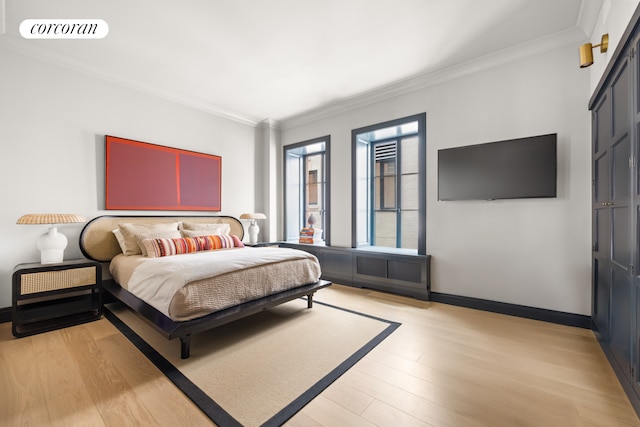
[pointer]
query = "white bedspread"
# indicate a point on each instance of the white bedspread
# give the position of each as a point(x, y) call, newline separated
point(157, 280)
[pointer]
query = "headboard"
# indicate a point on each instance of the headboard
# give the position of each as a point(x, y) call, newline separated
point(97, 241)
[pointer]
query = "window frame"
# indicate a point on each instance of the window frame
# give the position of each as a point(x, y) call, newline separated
point(421, 119)
point(326, 194)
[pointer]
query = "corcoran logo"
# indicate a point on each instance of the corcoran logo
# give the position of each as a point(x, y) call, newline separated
point(64, 29)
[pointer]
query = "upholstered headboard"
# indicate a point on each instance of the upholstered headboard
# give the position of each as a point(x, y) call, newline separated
point(97, 241)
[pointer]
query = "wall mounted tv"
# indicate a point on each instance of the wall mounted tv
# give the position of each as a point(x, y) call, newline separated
point(512, 169)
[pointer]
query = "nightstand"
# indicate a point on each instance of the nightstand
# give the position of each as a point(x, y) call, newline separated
point(53, 296)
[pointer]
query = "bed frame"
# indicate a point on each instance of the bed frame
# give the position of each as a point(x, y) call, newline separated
point(98, 243)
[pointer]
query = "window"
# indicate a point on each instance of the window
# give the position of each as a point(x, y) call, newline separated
point(389, 185)
point(306, 193)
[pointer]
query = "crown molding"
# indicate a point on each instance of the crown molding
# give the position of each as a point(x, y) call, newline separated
point(63, 59)
point(588, 16)
point(568, 37)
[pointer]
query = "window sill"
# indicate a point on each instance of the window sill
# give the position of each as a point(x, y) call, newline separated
point(387, 250)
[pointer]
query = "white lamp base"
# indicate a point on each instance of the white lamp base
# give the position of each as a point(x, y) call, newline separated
point(52, 246)
point(253, 232)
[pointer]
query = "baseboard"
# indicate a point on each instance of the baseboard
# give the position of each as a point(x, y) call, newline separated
point(559, 317)
point(5, 315)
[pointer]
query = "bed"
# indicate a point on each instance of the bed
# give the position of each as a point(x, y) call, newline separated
point(188, 274)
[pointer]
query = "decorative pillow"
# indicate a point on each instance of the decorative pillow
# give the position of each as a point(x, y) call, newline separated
point(213, 229)
point(165, 247)
point(134, 233)
point(160, 235)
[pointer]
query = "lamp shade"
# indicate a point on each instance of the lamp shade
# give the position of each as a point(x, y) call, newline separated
point(253, 216)
point(50, 219)
point(586, 55)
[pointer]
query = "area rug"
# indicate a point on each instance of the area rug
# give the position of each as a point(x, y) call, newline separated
point(260, 370)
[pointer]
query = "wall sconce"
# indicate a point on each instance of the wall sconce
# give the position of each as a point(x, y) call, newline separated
point(253, 227)
point(586, 51)
point(52, 243)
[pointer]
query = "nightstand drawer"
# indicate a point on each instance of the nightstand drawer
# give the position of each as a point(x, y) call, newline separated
point(46, 281)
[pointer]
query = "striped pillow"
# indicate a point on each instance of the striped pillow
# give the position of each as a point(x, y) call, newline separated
point(185, 245)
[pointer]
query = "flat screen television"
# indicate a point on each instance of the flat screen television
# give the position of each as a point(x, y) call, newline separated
point(512, 169)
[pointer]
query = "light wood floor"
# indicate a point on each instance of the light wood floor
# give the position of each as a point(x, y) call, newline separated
point(445, 366)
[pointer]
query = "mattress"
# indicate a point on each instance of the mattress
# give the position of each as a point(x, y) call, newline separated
point(188, 286)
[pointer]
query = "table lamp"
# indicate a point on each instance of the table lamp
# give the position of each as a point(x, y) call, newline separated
point(51, 243)
point(253, 227)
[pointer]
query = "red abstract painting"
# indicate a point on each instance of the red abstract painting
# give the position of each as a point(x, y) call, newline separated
point(143, 176)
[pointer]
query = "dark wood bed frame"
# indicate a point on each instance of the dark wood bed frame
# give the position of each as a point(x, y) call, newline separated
point(94, 246)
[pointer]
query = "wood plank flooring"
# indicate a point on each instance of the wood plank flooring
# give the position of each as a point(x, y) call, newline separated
point(445, 366)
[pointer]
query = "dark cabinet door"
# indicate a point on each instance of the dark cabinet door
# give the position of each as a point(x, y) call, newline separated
point(601, 217)
point(620, 216)
point(621, 285)
point(634, 64)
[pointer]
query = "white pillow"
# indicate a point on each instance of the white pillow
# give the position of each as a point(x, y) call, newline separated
point(134, 233)
point(120, 239)
point(196, 233)
point(211, 229)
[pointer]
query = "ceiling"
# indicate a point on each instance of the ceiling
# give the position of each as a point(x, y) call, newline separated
point(252, 60)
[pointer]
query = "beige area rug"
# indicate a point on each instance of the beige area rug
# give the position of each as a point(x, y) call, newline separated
point(260, 370)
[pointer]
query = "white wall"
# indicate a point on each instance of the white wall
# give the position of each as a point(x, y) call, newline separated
point(532, 252)
point(52, 126)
